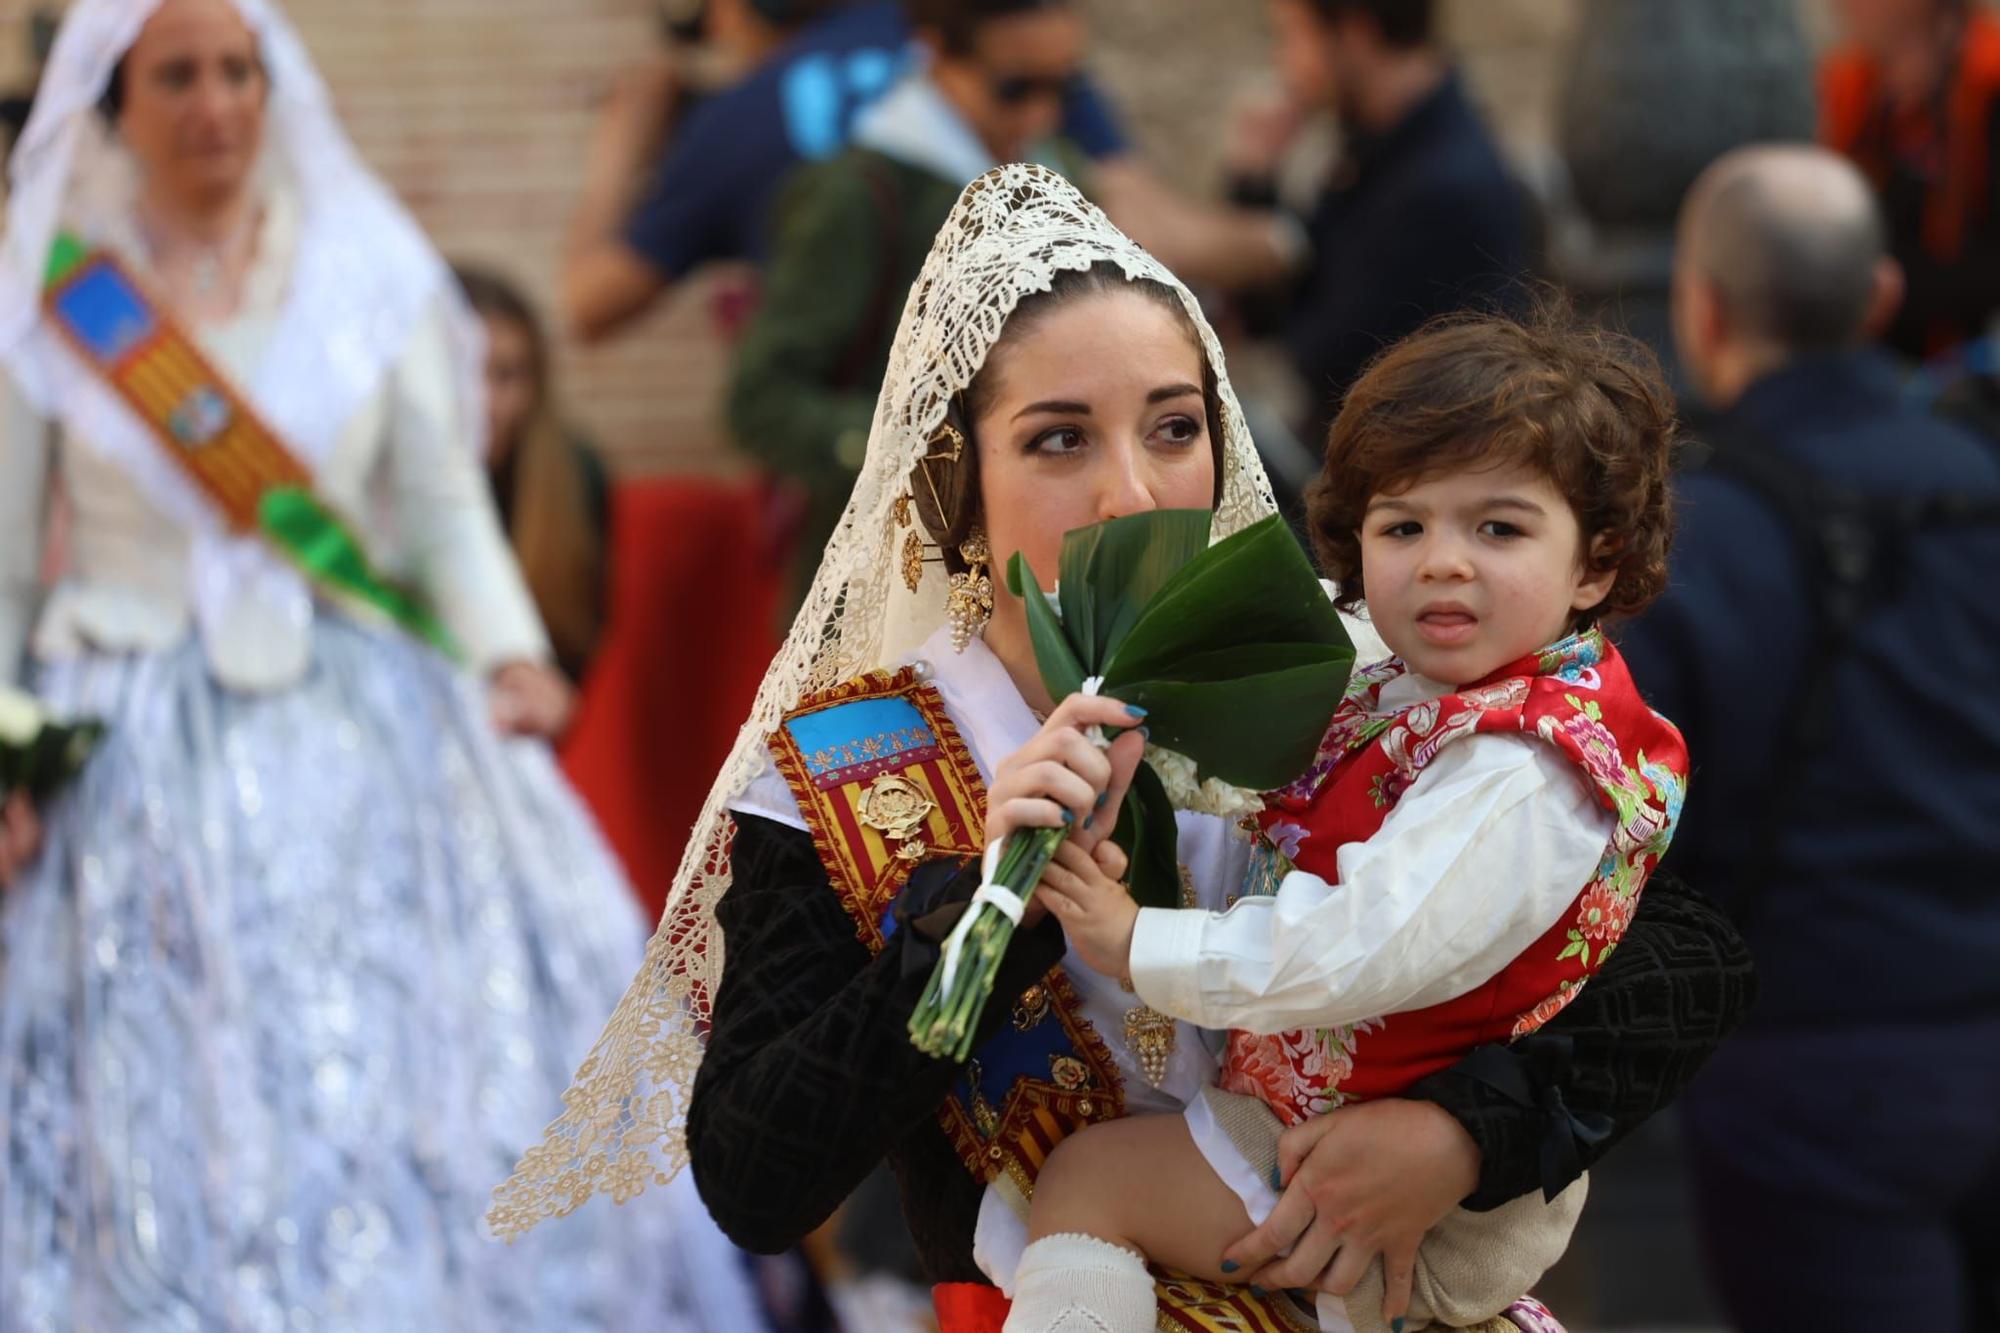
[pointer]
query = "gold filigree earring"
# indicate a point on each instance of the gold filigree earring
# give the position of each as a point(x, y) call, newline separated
point(969, 603)
point(913, 545)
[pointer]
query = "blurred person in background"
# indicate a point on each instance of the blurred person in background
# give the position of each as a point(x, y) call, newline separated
point(665, 194)
point(549, 485)
point(1735, 72)
point(310, 944)
point(851, 233)
point(1420, 217)
point(684, 158)
point(1914, 99)
point(1830, 644)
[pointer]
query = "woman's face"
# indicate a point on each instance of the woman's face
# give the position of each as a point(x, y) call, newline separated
point(194, 94)
point(1096, 411)
point(512, 383)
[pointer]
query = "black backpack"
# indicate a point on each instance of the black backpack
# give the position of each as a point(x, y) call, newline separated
point(1854, 549)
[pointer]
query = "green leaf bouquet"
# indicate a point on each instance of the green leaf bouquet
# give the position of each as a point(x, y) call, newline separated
point(1237, 658)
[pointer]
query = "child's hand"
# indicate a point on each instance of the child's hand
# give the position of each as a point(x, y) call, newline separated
point(1084, 892)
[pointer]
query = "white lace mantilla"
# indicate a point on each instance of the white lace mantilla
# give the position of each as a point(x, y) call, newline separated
point(1011, 232)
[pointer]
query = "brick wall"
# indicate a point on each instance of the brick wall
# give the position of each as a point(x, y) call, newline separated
point(477, 111)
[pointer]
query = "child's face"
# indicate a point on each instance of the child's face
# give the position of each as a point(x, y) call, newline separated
point(1469, 571)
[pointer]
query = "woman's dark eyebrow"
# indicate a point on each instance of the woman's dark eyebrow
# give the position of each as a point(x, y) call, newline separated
point(1054, 407)
point(1065, 407)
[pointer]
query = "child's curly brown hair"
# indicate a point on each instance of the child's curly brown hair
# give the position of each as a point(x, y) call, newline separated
point(1584, 406)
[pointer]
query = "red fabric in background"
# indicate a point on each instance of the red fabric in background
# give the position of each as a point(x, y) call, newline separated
point(969, 1307)
point(695, 591)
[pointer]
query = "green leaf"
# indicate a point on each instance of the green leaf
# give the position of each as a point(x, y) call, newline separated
point(1254, 587)
point(1258, 731)
point(1112, 570)
point(1226, 664)
point(1075, 596)
point(1150, 836)
point(1062, 673)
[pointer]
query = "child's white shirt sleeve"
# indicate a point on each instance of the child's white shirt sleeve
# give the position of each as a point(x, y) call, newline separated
point(1482, 855)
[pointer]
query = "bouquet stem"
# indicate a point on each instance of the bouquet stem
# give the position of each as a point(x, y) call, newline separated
point(946, 1018)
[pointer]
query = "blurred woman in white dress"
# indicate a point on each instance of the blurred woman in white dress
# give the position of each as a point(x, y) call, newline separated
point(313, 941)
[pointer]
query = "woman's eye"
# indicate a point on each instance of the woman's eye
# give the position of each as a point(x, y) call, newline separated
point(239, 71)
point(1061, 440)
point(175, 75)
point(1179, 430)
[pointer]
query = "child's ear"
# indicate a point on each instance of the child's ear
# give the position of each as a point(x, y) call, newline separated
point(1598, 573)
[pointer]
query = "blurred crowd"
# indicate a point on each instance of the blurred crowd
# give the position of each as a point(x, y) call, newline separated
point(1808, 235)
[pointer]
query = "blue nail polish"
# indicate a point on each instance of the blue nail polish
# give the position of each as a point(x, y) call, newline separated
point(1147, 732)
point(1088, 820)
point(1102, 797)
point(1396, 1324)
point(1230, 1265)
point(1135, 710)
point(1068, 818)
point(1258, 1291)
point(1277, 1179)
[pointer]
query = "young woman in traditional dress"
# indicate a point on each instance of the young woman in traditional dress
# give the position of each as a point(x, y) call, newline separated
point(308, 947)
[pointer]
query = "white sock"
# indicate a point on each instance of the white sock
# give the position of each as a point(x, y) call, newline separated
point(1079, 1284)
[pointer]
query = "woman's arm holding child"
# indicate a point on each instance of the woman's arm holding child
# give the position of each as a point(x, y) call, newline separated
point(1678, 984)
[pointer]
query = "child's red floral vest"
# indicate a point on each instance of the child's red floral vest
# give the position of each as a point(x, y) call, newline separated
point(1577, 696)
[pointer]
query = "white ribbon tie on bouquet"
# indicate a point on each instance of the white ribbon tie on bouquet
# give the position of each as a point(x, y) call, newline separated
point(1002, 899)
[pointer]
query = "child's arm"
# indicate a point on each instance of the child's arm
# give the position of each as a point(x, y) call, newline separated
point(1084, 892)
point(1482, 855)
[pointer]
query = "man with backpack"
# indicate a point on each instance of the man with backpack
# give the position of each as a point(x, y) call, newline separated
point(1830, 644)
point(851, 233)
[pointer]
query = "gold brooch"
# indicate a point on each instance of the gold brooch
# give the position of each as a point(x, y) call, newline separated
point(896, 808)
point(1150, 1035)
point(1032, 1007)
